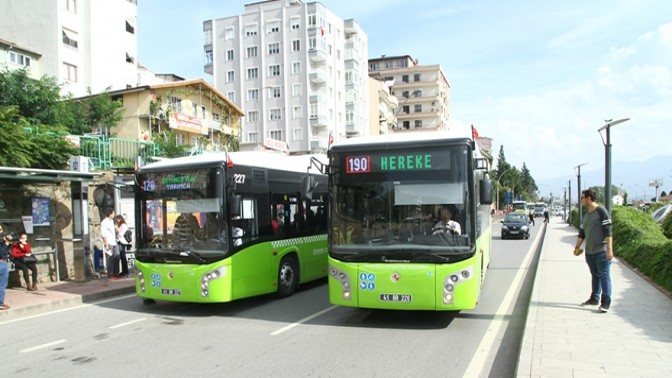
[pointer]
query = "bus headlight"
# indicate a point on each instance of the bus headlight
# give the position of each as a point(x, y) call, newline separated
point(210, 276)
point(343, 278)
point(141, 279)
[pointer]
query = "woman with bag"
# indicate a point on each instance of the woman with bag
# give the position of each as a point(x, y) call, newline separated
point(123, 242)
point(24, 260)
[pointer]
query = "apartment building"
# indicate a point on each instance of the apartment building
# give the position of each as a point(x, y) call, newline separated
point(423, 92)
point(297, 70)
point(83, 43)
point(14, 57)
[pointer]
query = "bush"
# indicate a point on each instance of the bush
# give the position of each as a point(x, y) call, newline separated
point(639, 241)
point(667, 226)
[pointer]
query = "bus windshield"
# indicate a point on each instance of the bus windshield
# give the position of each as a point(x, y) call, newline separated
point(403, 205)
point(181, 214)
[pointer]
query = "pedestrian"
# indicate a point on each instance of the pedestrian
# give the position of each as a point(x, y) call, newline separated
point(5, 250)
point(24, 260)
point(123, 244)
point(596, 231)
point(531, 215)
point(546, 215)
point(109, 235)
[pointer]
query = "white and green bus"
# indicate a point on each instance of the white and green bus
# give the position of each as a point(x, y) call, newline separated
point(386, 193)
point(220, 227)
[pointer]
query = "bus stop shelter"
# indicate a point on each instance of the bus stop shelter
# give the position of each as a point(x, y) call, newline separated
point(51, 206)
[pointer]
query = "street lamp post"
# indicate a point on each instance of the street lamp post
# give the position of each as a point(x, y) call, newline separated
point(578, 179)
point(569, 201)
point(607, 160)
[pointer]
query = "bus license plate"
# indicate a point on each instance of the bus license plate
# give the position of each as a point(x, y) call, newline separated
point(395, 297)
point(171, 291)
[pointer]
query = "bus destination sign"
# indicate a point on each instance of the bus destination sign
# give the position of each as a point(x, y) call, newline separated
point(391, 163)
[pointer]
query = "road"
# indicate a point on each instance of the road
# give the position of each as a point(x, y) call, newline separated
point(300, 336)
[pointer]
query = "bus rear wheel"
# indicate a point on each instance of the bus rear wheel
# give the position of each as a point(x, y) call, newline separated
point(288, 277)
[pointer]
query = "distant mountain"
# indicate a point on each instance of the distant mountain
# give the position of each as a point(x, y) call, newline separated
point(632, 176)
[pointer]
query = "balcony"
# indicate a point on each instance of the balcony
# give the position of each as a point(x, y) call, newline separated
point(318, 144)
point(318, 121)
point(317, 78)
point(317, 56)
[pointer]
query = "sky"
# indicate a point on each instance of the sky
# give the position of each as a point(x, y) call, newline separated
point(538, 78)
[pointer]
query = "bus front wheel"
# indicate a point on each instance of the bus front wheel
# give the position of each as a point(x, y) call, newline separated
point(288, 277)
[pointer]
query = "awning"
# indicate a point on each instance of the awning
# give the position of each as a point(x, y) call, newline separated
point(45, 175)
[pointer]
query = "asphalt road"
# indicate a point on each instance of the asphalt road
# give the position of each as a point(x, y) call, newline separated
point(300, 336)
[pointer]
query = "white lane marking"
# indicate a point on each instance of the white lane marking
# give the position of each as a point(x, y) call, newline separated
point(67, 309)
point(306, 319)
point(127, 323)
point(47, 345)
point(499, 320)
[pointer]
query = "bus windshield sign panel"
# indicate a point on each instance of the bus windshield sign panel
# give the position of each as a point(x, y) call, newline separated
point(420, 161)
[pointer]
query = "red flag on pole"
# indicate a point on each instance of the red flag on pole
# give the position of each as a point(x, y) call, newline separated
point(474, 132)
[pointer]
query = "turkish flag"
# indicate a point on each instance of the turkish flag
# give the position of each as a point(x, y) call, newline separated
point(474, 132)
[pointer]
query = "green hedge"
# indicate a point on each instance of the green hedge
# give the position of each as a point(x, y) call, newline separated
point(641, 242)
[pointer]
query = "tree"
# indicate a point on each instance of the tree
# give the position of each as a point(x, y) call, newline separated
point(93, 113)
point(528, 185)
point(168, 147)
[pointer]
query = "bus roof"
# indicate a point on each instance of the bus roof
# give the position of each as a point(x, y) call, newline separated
point(262, 159)
point(399, 138)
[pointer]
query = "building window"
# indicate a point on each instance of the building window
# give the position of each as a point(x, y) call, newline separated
point(70, 38)
point(274, 70)
point(231, 95)
point(404, 78)
point(416, 77)
point(348, 77)
point(297, 133)
point(202, 112)
point(20, 59)
point(253, 116)
point(129, 59)
point(228, 33)
point(297, 112)
point(296, 45)
point(295, 23)
point(272, 27)
point(312, 20)
point(405, 94)
point(194, 109)
point(70, 72)
point(407, 125)
point(251, 30)
point(130, 28)
point(230, 76)
point(312, 43)
point(406, 109)
point(229, 55)
point(208, 57)
point(275, 114)
point(71, 6)
point(418, 108)
point(275, 134)
point(253, 137)
point(207, 37)
point(296, 67)
point(274, 92)
point(252, 73)
point(296, 90)
point(418, 123)
point(179, 139)
point(252, 94)
point(251, 52)
point(273, 48)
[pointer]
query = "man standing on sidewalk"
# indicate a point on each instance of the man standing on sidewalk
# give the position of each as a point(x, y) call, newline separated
point(596, 231)
point(5, 247)
point(109, 235)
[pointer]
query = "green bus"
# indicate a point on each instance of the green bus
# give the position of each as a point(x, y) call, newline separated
point(225, 226)
point(386, 194)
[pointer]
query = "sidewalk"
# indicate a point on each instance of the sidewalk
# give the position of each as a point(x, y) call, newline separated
point(563, 339)
point(57, 295)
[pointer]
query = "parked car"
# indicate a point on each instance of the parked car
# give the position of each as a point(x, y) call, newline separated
point(660, 214)
point(515, 225)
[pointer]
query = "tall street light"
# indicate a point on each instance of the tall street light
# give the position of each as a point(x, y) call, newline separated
point(578, 181)
point(607, 159)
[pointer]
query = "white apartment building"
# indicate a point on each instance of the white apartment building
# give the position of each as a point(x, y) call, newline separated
point(83, 43)
point(297, 71)
point(13, 57)
point(423, 92)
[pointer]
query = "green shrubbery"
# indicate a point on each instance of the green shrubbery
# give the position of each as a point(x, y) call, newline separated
point(641, 242)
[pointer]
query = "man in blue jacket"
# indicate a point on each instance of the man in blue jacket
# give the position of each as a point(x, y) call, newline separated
point(5, 250)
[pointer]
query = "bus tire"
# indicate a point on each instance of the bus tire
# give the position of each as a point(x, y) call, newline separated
point(288, 277)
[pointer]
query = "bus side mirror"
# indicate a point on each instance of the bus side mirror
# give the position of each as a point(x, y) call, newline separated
point(235, 202)
point(308, 184)
point(485, 193)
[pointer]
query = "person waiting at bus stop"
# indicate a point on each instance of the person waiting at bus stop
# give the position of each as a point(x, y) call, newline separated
point(446, 224)
point(24, 260)
point(5, 250)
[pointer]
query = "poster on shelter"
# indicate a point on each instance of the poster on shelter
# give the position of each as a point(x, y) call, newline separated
point(40, 211)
